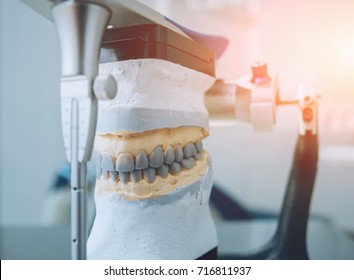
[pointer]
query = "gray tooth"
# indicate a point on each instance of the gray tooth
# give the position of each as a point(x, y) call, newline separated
point(107, 163)
point(163, 171)
point(150, 175)
point(194, 150)
point(96, 158)
point(136, 175)
point(125, 162)
point(198, 156)
point(199, 146)
point(156, 157)
point(169, 155)
point(124, 177)
point(175, 168)
point(113, 175)
point(141, 160)
point(178, 153)
point(188, 150)
point(187, 163)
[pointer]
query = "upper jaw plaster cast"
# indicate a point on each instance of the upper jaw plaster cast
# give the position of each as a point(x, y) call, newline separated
point(153, 176)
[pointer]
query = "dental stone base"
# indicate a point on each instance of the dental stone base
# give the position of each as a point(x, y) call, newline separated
point(175, 226)
point(153, 94)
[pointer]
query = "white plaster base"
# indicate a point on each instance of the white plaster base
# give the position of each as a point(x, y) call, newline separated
point(175, 226)
point(153, 94)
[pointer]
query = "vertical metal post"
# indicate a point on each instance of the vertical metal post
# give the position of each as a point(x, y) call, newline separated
point(78, 191)
point(80, 27)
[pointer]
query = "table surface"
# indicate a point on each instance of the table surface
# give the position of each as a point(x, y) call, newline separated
point(325, 240)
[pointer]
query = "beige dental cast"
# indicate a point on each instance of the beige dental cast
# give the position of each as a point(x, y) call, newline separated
point(132, 143)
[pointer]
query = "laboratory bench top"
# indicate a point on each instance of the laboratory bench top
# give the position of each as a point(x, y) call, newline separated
point(325, 240)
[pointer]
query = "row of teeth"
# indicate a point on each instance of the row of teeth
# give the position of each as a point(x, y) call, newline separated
point(126, 167)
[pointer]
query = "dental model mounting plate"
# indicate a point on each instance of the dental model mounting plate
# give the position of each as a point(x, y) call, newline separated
point(156, 42)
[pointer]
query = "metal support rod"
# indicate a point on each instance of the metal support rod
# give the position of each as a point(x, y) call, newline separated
point(78, 214)
point(78, 191)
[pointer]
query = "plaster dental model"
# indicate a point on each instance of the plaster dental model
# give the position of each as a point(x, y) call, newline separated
point(153, 176)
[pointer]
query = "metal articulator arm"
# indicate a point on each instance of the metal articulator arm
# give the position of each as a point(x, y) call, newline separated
point(289, 240)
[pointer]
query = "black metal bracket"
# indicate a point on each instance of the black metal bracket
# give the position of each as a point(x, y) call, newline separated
point(289, 240)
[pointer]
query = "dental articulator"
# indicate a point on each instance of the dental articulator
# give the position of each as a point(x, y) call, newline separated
point(109, 31)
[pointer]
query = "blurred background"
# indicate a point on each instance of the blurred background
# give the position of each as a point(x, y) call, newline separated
point(305, 42)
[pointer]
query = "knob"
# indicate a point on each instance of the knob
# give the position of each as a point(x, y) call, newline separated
point(105, 87)
point(259, 73)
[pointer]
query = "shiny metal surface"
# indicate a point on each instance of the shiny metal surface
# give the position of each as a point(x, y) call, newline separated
point(80, 29)
point(124, 12)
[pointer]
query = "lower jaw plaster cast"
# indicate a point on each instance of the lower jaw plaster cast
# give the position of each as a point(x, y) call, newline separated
point(153, 177)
